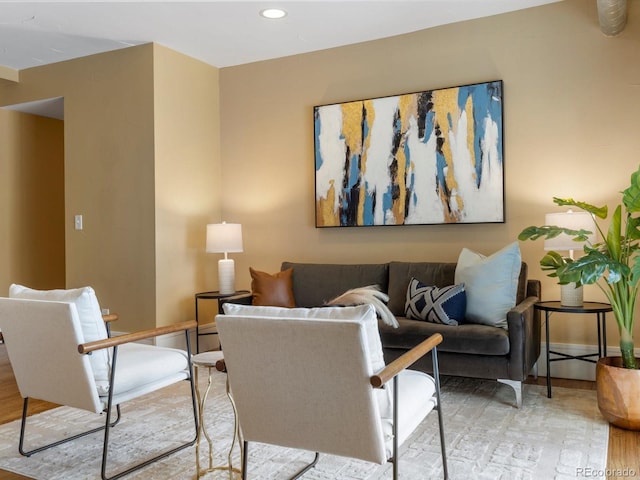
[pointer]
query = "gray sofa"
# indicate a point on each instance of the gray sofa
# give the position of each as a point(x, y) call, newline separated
point(468, 350)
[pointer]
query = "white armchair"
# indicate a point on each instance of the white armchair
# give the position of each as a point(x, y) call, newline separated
point(315, 379)
point(60, 352)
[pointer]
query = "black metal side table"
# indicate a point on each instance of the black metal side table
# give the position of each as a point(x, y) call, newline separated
point(214, 295)
point(598, 308)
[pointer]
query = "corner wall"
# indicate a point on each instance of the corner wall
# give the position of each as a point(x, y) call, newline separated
point(187, 179)
point(571, 130)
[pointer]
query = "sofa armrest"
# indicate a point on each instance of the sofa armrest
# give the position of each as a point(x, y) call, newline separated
point(524, 338)
point(242, 299)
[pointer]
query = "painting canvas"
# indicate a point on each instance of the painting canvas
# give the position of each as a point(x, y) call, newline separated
point(433, 157)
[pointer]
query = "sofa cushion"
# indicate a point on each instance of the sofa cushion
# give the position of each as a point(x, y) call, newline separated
point(433, 304)
point(273, 289)
point(315, 284)
point(491, 283)
point(467, 338)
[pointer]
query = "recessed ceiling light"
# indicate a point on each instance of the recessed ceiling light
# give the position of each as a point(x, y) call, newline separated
point(273, 13)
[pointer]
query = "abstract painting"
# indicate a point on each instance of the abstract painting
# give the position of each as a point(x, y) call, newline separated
point(425, 158)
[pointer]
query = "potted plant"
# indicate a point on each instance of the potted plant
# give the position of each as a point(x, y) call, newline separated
point(614, 266)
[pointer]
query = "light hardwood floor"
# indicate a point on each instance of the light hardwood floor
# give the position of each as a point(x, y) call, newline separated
point(623, 461)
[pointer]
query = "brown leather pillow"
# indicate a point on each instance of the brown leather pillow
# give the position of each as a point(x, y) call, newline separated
point(272, 290)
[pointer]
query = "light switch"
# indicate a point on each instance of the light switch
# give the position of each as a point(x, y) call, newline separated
point(77, 222)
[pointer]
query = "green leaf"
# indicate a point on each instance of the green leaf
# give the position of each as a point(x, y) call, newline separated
point(593, 266)
point(552, 261)
point(631, 195)
point(613, 235)
point(635, 272)
point(600, 212)
point(633, 228)
point(552, 231)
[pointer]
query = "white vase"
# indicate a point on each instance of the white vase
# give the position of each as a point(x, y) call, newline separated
point(570, 296)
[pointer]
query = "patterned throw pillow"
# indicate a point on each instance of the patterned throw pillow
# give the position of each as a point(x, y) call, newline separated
point(445, 305)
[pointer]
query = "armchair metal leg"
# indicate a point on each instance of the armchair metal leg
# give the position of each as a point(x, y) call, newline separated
point(23, 426)
point(307, 468)
point(394, 458)
point(245, 453)
point(105, 447)
point(436, 377)
point(443, 449)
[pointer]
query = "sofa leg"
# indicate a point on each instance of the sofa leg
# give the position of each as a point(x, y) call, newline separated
point(517, 388)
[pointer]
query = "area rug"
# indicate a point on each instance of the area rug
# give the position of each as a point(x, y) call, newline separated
point(487, 437)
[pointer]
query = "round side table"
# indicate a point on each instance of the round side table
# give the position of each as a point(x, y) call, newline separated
point(598, 308)
point(208, 360)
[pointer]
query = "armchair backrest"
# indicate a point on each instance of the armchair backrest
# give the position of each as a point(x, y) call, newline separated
point(304, 382)
point(42, 339)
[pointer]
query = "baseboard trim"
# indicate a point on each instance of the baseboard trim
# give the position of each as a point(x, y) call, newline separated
point(573, 369)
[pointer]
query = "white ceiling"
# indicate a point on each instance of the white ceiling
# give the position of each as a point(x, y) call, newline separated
point(220, 33)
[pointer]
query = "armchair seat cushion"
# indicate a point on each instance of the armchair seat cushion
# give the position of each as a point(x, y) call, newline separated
point(416, 398)
point(467, 338)
point(141, 367)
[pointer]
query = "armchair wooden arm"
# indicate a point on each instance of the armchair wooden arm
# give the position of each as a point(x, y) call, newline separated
point(111, 317)
point(405, 360)
point(135, 336)
point(221, 366)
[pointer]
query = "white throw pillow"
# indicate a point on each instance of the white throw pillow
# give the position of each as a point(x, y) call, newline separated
point(362, 313)
point(491, 284)
point(91, 322)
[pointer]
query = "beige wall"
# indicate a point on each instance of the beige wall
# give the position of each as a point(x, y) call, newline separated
point(571, 129)
point(32, 247)
point(187, 179)
point(110, 172)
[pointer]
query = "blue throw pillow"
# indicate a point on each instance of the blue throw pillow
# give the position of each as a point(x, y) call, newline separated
point(445, 305)
point(491, 283)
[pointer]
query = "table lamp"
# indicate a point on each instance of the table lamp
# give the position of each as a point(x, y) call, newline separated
point(225, 238)
point(570, 296)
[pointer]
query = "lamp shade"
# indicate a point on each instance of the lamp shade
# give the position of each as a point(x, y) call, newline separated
point(224, 238)
point(573, 221)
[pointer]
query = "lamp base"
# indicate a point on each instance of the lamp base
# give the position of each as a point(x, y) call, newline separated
point(226, 276)
point(570, 296)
